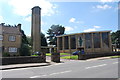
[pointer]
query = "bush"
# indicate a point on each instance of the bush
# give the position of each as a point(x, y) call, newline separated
point(25, 50)
point(5, 54)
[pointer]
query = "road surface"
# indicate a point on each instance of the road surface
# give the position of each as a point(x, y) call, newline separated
point(107, 68)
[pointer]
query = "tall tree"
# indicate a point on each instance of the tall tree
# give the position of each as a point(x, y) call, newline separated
point(55, 30)
point(43, 40)
point(25, 48)
point(116, 38)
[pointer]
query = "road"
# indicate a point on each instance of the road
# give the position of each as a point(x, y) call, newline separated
point(107, 68)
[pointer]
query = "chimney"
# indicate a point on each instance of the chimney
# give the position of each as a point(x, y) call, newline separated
point(19, 27)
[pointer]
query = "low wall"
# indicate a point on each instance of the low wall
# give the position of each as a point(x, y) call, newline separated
point(23, 59)
point(94, 55)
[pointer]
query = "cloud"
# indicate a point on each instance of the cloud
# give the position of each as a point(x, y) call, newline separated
point(72, 20)
point(92, 29)
point(1, 19)
point(67, 29)
point(89, 30)
point(28, 19)
point(103, 7)
point(23, 7)
point(97, 26)
point(106, 1)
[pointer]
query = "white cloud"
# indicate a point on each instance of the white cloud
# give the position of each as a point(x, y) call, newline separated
point(89, 30)
point(97, 26)
point(28, 19)
point(92, 29)
point(23, 7)
point(72, 20)
point(106, 1)
point(1, 19)
point(68, 29)
point(103, 6)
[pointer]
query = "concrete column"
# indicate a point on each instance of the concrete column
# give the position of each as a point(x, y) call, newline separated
point(69, 44)
point(36, 28)
point(84, 41)
point(101, 46)
point(92, 42)
point(63, 43)
point(76, 41)
point(58, 45)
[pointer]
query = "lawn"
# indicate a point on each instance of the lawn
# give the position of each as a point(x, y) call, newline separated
point(63, 56)
point(115, 56)
point(70, 57)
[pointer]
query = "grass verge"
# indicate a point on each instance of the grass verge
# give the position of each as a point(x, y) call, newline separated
point(115, 56)
point(70, 57)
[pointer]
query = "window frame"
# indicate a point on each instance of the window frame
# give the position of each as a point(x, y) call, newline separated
point(13, 39)
point(13, 49)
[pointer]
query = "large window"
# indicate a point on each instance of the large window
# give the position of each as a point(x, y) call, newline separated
point(12, 49)
point(105, 39)
point(73, 42)
point(11, 38)
point(1, 37)
point(60, 43)
point(88, 40)
point(96, 38)
point(66, 44)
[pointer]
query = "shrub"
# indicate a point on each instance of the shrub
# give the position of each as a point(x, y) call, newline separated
point(5, 54)
point(25, 50)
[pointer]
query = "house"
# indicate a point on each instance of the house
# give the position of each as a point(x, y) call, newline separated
point(10, 39)
point(91, 42)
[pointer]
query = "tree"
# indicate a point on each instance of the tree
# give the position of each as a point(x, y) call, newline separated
point(115, 36)
point(24, 38)
point(25, 47)
point(55, 30)
point(43, 40)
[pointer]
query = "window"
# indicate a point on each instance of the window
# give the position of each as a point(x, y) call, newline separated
point(105, 39)
point(11, 49)
point(60, 43)
point(11, 38)
point(96, 38)
point(88, 40)
point(73, 42)
point(1, 37)
point(66, 44)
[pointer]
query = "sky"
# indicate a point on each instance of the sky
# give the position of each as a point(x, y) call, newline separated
point(76, 17)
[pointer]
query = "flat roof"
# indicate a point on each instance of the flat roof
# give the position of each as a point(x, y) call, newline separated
point(84, 33)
